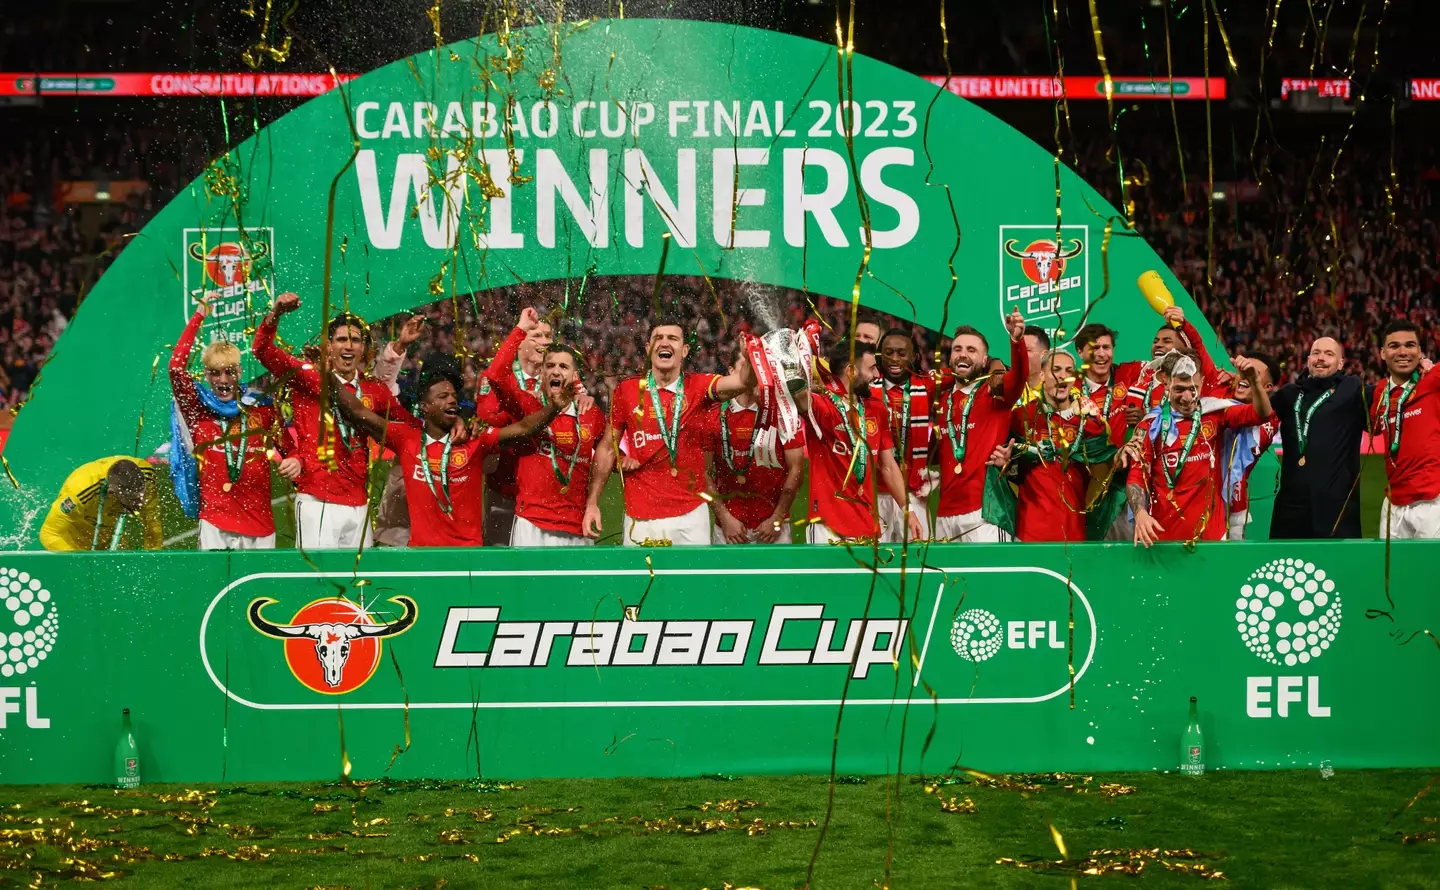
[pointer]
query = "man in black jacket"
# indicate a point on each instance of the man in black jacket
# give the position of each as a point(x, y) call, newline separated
point(1322, 419)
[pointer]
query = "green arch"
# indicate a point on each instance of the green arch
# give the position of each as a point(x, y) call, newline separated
point(927, 154)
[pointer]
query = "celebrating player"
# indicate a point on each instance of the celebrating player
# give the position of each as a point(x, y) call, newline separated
point(331, 507)
point(1147, 391)
point(553, 467)
point(850, 447)
point(752, 499)
point(974, 418)
point(1037, 346)
point(1175, 479)
point(1055, 433)
point(908, 398)
point(224, 443)
point(524, 367)
point(1243, 447)
point(443, 477)
point(1406, 411)
point(657, 422)
point(95, 501)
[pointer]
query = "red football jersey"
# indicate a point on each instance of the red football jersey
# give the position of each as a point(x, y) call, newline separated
point(912, 442)
point(988, 425)
point(1240, 500)
point(347, 484)
point(1052, 492)
point(1191, 509)
point(241, 506)
point(660, 489)
point(843, 503)
point(749, 491)
point(1115, 392)
point(1413, 471)
point(430, 525)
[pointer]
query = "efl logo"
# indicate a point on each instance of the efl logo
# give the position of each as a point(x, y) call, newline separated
point(1288, 613)
point(978, 635)
point(230, 267)
point(29, 626)
point(1047, 281)
point(333, 645)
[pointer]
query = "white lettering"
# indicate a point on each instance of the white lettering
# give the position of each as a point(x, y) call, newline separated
point(551, 124)
point(501, 234)
point(33, 720)
point(679, 114)
point(1257, 696)
point(1037, 633)
point(825, 655)
point(770, 651)
point(821, 205)
point(1314, 708)
point(876, 189)
point(395, 122)
point(648, 631)
point(548, 633)
point(6, 707)
point(738, 632)
point(1287, 691)
point(1015, 634)
point(592, 218)
point(592, 644)
point(871, 653)
point(446, 656)
point(682, 643)
point(729, 197)
point(1055, 642)
point(642, 180)
point(577, 116)
point(361, 127)
point(385, 225)
point(514, 644)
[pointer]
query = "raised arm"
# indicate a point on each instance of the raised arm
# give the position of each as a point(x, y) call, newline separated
point(276, 360)
point(181, 383)
point(1019, 372)
point(741, 379)
point(500, 372)
point(1208, 371)
point(530, 424)
point(388, 362)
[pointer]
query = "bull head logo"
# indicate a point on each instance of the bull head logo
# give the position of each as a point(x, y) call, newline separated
point(333, 638)
point(1044, 261)
point(228, 263)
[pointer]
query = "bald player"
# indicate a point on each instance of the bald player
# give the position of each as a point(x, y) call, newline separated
point(1322, 418)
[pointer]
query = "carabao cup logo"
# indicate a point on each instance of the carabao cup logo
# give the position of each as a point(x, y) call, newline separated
point(333, 645)
point(1288, 612)
point(976, 635)
point(28, 623)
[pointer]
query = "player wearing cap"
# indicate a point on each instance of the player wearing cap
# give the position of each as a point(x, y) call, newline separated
point(1175, 484)
point(226, 442)
point(973, 419)
point(443, 478)
point(331, 506)
point(1406, 411)
point(908, 398)
point(95, 502)
point(851, 452)
point(553, 467)
point(658, 432)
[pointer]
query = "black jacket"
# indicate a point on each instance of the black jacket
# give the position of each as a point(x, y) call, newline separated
point(1322, 498)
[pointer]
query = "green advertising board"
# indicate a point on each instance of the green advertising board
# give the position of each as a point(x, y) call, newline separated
point(614, 662)
point(568, 152)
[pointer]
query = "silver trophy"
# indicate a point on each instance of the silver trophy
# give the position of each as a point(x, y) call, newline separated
point(780, 344)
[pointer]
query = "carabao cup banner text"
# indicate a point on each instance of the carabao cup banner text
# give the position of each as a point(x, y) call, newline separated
point(583, 663)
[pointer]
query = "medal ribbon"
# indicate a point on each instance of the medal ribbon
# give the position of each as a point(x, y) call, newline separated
point(1302, 421)
point(1167, 420)
point(565, 477)
point(858, 446)
point(442, 496)
point(727, 450)
point(958, 441)
point(233, 465)
point(343, 429)
point(669, 429)
point(520, 376)
point(1392, 423)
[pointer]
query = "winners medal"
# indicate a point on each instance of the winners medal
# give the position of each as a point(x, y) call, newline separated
point(959, 440)
point(728, 451)
point(669, 428)
point(442, 496)
point(1302, 421)
point(1392, 422)
point(235, 456)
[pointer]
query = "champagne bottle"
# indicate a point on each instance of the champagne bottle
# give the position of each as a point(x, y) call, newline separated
point(1192, 744)
point(127, 756)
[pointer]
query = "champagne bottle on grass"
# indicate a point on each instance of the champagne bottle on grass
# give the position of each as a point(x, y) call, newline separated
point(1192, 744)
point(127, 756)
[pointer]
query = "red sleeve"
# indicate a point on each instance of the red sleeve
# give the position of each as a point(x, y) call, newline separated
point(709, 379)
point(389, 407)
point(1017, 421)
point(1430, 382)
point(1018, 374)
point(500, 376)
point(397, 436)
point(1240, 415)
point(882, 417)
point(1140, 470)
point(281, 363)
point(181, 383)
point(621, 405)
point(797, 442)
point(1208, 372)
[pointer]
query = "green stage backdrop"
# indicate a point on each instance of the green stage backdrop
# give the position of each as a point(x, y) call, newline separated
point(585, 663)
point(565, 153)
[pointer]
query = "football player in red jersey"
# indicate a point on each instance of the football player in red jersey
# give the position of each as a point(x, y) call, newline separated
point(658, 432)
point(553, 469)
point(1175, 484)
point(851, 453)
point(1240, 455)
point(1406, 411)
point(524, 367)
point(1053, 431)
point(973, 418)
point(331, 506)
point(230, 442)
point(753, 496)
point(909, 399)
point(443, 478)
